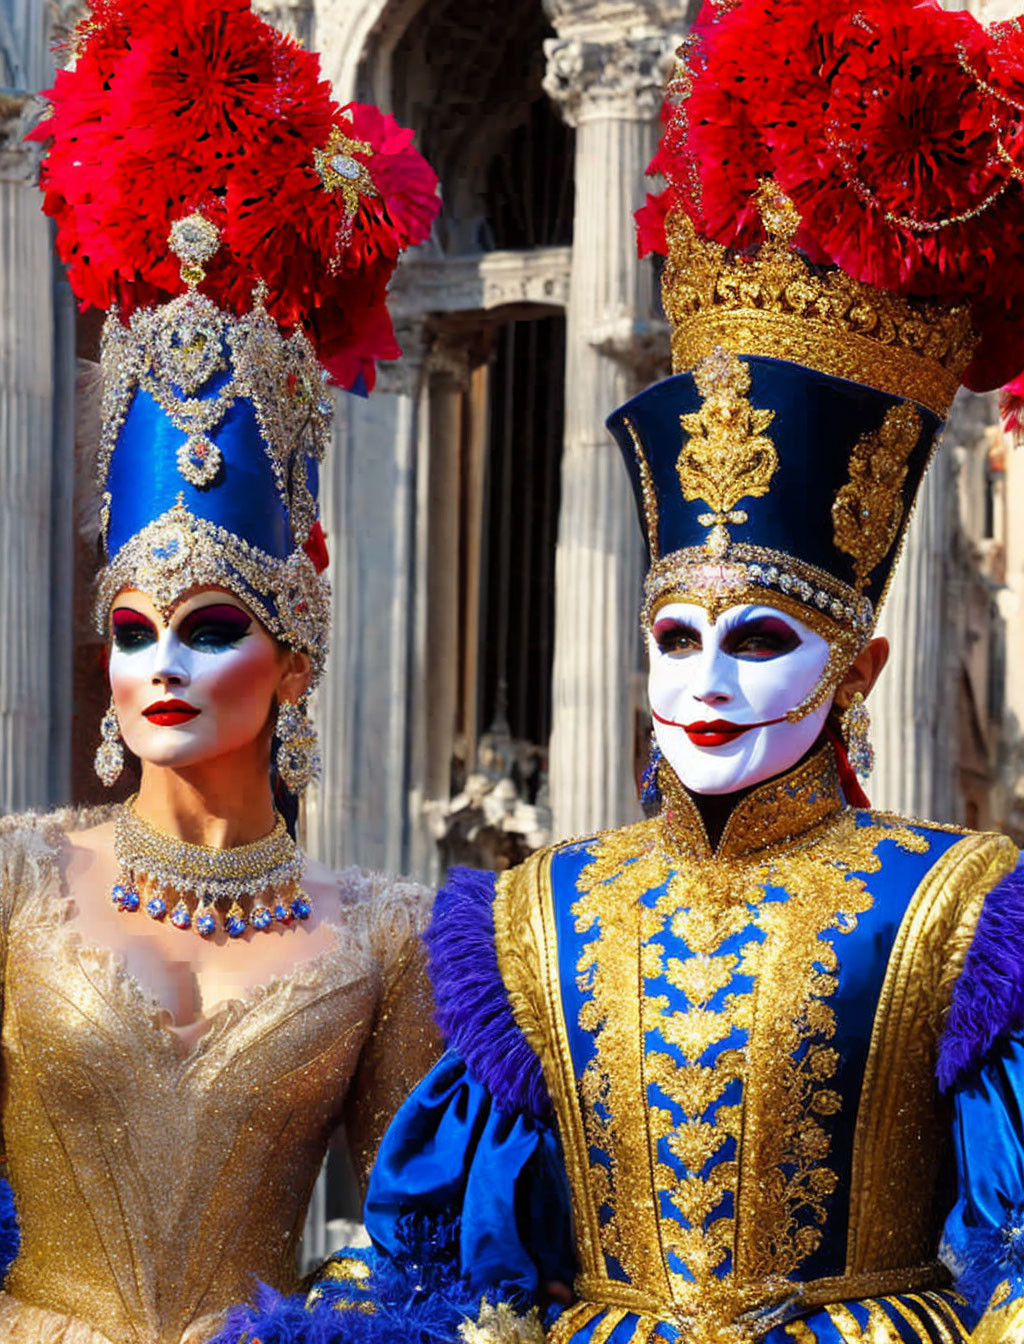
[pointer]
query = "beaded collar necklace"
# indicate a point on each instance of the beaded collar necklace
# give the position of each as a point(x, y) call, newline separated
point(156, 868)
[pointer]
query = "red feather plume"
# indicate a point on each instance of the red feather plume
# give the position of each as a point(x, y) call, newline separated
point(175, 106)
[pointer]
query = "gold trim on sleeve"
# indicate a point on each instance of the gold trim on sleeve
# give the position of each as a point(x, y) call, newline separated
point(527, 949)
point(898, 1121)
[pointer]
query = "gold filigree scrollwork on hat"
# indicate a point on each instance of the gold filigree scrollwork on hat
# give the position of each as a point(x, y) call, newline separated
point(727, 455)
point(868, 511)
point(650, 495)
point(774, 303)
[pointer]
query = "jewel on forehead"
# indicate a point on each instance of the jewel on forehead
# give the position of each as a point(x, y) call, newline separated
point(199, 461)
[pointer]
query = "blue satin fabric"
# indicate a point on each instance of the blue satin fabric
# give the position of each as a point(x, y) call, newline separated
point(817, 420)
point(984, 1235)
point(450, 1152)
point(862, 955)
point(144, 480)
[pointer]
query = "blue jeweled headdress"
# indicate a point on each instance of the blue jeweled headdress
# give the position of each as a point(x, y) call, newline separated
point(240, 228)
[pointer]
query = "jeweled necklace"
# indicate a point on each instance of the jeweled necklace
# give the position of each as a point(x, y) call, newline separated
point(165, 870)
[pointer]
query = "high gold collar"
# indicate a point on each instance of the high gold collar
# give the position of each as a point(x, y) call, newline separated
point(779, 812)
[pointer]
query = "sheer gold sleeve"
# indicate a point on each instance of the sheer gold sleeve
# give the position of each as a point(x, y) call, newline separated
point(404, 1041)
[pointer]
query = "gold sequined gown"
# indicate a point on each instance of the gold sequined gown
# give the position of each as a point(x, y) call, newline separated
point(154, 1186)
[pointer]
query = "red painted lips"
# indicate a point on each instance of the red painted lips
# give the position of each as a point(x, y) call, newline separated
point(714, 732)
point(167, 713)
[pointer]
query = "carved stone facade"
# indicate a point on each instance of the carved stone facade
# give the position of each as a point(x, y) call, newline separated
point(36, 454)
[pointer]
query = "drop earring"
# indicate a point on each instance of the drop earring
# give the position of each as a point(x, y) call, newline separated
point(109, 759)
point(650, 791)
point(856, 726)
point(298, 755)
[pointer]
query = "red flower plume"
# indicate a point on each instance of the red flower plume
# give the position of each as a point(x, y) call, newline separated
point(182, 105)
point(894, 126)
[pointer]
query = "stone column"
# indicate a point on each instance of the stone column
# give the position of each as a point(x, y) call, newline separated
point(27, 368)
point(610, 90)
point(914, 705)
point(294, 17)
point(359, 811)
point(911, 729)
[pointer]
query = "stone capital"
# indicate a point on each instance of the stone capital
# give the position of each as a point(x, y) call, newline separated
point(623, 77)
point(19, 160)
point(449, 360)
point(401, 377)
point(642, 349)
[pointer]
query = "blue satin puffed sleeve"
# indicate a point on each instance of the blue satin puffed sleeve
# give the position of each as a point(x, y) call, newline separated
point(451, 1153)
point(468, 1213)
point(983, 1244)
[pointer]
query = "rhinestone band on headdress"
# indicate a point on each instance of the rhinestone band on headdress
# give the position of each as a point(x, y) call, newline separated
point(178, 552)
point(158, 872)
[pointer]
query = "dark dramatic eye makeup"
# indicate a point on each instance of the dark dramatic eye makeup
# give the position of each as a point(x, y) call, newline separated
point(218, 626)
point(131, 630)
point(672, 636)
point(760, 638)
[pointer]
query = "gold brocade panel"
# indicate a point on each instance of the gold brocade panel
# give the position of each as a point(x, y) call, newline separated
point(731, 1072)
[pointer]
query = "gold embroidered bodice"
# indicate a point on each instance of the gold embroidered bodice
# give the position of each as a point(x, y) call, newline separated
point(739, 1044)
point(155, 1185)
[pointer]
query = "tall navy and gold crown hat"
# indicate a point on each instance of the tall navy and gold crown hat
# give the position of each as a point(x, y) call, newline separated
point(839, 180)
point(240, 229)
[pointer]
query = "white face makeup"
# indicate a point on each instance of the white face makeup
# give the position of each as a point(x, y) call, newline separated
point(194, 687)
point(720, 690)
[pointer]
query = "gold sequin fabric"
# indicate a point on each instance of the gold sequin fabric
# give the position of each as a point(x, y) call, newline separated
point(155, 1186)
point(689, 1007)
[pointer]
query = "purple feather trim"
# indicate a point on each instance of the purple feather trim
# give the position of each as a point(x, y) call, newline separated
point(275, 1319)
point(988, 998)
point(472, 1007)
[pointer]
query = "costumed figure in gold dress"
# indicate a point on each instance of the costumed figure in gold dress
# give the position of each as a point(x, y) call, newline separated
point(751, 1071)
point(191, 1006)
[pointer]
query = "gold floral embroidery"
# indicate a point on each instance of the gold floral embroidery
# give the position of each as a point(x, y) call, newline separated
point(755, 1007)
point(501, 1324)
point(868, 510)
point(728, 455)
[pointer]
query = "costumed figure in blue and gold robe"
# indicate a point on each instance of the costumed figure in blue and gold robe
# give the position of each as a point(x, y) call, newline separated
point(746, 1072)
point(190, 1005)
